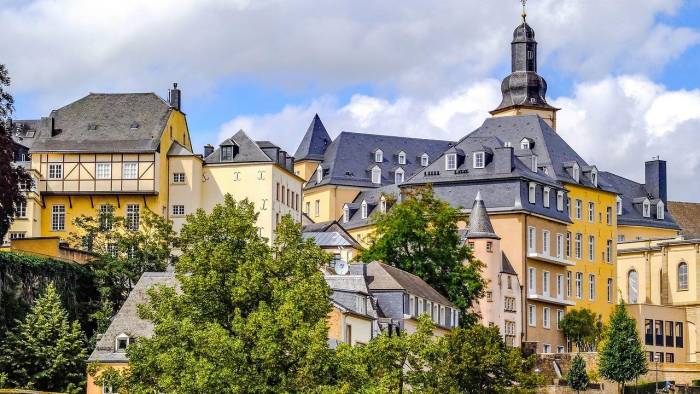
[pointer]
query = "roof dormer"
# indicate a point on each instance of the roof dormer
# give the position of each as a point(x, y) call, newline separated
point(401, 157)
point(378, 155)
point(376, 174)
point(527, 143)
point(363, 209)
point(424, 160)
point(229, 150)
point(319, 174)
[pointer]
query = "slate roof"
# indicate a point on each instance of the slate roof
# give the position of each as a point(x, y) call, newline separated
point(314, 143)
point(24, 132)
point(506, 266)
point(248, 151)
point(479, 222)
point(687, 216)
point(349, 158)
point(382, 277)
point(127, 320)
point(129, 122)
point(176, 149)
point(632, 193)
point(372, 197)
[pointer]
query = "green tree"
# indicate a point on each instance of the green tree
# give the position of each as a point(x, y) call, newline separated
point(419, 235)
point(11, 176)
point(577, 376)
point(249, 317)
point(622, 357)
point(584, 328)
point(45, 351)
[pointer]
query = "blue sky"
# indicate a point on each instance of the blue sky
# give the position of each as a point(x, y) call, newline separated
point(625, 73)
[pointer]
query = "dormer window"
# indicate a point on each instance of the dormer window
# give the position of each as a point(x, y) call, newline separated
point(619, 206)
point(382, 205)
point(363, 209)
point(121, 342)
point(227, 153)
point(378, 156)
point(646, 208)
point(576, 173)
point(346, 214)
point(660, 210)
point(451, 162)
point(402, 158)
point(533, 163)
point(479, 159)
point(525, 144)
point(560, 201)
point(319, 174)
point(594, 177)
point(546, 196)
point(376, 175)
point(424, 160)
point(398, 176)
point(532, 192)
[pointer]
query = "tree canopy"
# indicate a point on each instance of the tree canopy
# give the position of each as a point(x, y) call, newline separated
point(584, 328)
point(577, 378)
point(419, 235)
point(622, 356)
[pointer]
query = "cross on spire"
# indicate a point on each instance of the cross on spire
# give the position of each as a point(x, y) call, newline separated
point(524, 14)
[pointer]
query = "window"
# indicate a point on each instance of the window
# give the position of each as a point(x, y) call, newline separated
point(402, 158)
point(619, 206)
point(398, 176)
point(532, 280)
point(591, 287)
point(560, 317)
point(560, 201)
point(649, 332)
point(55, 171)
point(545, 197)
point(594, 177)
point(560, 286)
point(532, 193)
point(525, 144)
point(670, 358)
point(130, 170)
point(610, 290)
point(451, 162)
point(17, 235)
point(531, 315)
point(679, 334)
point(479, 159)
point(376, 175)
point(346, 214)
point(509, 304)
point(533, 163)
point(545, 319)
point(683, 276)
point(579, 208)
point(317, 208)
point(227, 153)
point(545, 282)
point(361, 304)
point(103, 171)
point(578, 245)
point(659, 333)
point(608, 251)
point(307, 207)
point(58, 218)
point(510, 282)
point(608, 216)
point(121, 342)
point(179, 177)
point(112, 249)
point(591, 212)
point(576, 172)
point(489, 296)
point(319, 174)
point(579, 285)
point(591, 248)
point(420, 306)
point(632, 287)
point(560, 349)
point(646, 208)
point(568, 284)
point(133, 217)
point(382, 204)
point(531, 240)
point(489, 247)
point(21, 209)
point(363, 209)
point(106, 216)
point(620, 238)
point(568, 244)
point(378, 156)
point(510, 332)
point(660, 210)
point(545, 242)
point(348, 334)
point(178, 210)
point(424, 160)
point(560, 246)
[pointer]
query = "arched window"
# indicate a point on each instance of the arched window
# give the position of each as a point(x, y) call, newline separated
point(402, 158)
point(398, 176)
point(376, 175)
point(660, 210)
point(646, 209)
point(378, 156)
point(633, 287)
point(594, 177)
point(683, 276)
point(424, 160)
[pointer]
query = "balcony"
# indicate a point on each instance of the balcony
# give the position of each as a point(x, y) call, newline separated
point(550, 259)
point(549, 299)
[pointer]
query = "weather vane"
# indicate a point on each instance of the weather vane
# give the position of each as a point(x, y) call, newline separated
point(524, 13)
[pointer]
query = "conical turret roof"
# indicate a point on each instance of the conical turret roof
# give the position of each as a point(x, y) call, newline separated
point(479, 222)
point(315, 141)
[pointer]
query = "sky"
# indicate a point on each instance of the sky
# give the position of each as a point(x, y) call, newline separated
point(625, 73)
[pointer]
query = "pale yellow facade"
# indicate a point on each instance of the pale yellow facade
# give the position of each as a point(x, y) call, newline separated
point(326, 202)
point(94, 388)
point(637, 233)
point(349, 328)
point(305, 168)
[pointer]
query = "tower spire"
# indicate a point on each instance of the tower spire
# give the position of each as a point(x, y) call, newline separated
point(524, 14)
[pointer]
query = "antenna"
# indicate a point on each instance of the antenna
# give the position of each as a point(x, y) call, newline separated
point(524, 15)
point(341, 267)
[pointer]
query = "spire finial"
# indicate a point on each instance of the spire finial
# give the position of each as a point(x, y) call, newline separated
point(524, 14)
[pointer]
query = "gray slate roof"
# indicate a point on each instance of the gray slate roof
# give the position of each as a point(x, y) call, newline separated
point(248, 151)
point(314, 143)
point(479, 223)
point(382, 277)
point(348, 160)
point(24, 132)
point(632, 193)
point(372, 197)
point(329, 234)
point(506, 266)
point(176, 149)
point(130, 122)
point(127, 320)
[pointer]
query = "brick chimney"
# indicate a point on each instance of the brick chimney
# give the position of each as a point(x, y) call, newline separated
point(174, 97)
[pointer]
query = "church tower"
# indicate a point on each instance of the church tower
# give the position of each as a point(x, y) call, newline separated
point(524, 90)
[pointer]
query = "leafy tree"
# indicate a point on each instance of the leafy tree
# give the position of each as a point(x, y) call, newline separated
point(249, 317)
point(622, 357)
point(45, 351)
point(577, 376)
point(419, 235)
point(11, 176)
point(584, 328)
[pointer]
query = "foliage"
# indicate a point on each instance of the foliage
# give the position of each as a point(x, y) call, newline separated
point(122, 254)
point(23, 279)
point(250, 317)
point(11, 176)
point(584, 328)
point(622, 357)
point(577, 376)
point(45, 351)
point(419, 235)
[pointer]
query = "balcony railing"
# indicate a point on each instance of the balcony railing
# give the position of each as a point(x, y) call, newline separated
point(550, 259)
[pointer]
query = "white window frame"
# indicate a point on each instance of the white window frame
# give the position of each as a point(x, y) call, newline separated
point(402, 158)
point(178, 210)
point(58, 217)
point(594, 177)
point(591, 287)
point(531, 239)
point(632, 286)
point(576, 171)
point(319, 174)
point(608, 251)
point(610, 290)
point(660, 214)
point(533, 163)
point(560, 286)
point(21, 210)
point(531, 315)
point(546, 196)
point(682, 276)
point(116, 342)
point(546, 323)
point(363, 209)
point(103, 170)
point(424, 160)
point(560, 317)
point(130, 170)
point(382, 204)
point(398, 176)
point(546, 243)
point(591, 212)
point(578, 246)
point(133, 216)
point(378, 156)
point(560, 201)
point(619, 205)
point(579, 285)
point(560, 246)
point(317, 208)
point(450, 161)
point(479, 159)
point(55, 171)
point(591, 248)
point(545, 282)
point(179, 177)
point(524, 143)
point(106, 214)
point(376, 175)
point(568, 284)
point(646, 208)
point(532, 193)
point(346, 213)
point(532, 280)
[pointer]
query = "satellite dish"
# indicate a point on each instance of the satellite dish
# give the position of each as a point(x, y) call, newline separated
point(341, 267)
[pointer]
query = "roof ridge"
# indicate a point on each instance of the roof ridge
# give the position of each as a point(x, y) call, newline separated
point(392, 136)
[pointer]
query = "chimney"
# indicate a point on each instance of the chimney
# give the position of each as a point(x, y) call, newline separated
point(503, 159)
point(290, 164)
point(208, 150)
point(655, 178)
point(282, 158)
point(175, 97)
point(54, 130)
